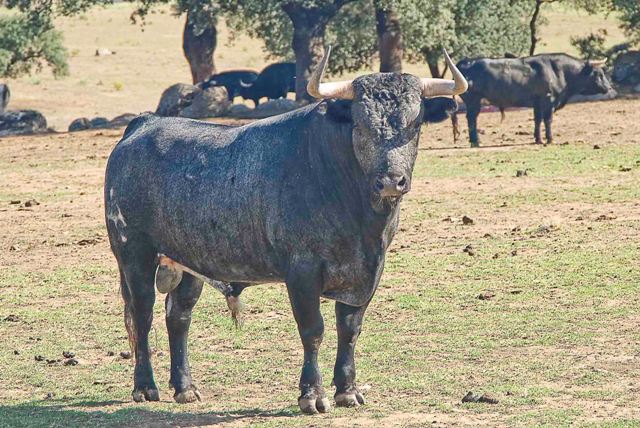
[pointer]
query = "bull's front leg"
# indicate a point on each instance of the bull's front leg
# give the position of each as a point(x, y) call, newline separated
point(348, 323)
point(304, 287)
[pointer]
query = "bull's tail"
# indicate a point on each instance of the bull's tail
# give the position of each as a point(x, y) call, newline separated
point(128, 314)
point(502, 115)
point(456, 127)
point(231, 292)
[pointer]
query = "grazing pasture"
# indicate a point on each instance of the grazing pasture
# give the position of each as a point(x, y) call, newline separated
point(535, 302)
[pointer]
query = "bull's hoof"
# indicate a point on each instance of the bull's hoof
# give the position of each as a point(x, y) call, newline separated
point(140, 395)
point(475, 145)
point(349, 399)
point(313, 405)
point(189, 395)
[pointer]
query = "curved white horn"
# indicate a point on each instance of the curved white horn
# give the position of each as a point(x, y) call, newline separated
point(597, 63)
point(341, 90)
point(442, 87)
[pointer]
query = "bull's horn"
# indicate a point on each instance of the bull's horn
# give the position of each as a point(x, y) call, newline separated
point(442, 87)
point(341, 90)
point(597, 63)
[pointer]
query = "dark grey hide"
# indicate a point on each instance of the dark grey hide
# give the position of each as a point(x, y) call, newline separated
point(545, 82)
point(302, 198)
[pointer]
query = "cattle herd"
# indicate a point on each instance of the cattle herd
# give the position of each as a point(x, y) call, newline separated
point(310, 198)
point(274, 82)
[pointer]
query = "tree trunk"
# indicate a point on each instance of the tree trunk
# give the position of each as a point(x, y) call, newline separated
point(533, 26)
point(199, 43)
point(390, 44)
point(309, 27)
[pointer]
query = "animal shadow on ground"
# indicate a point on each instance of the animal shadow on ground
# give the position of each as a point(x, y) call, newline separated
point(79, 413)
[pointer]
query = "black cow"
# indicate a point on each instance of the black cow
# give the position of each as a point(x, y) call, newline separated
point(274, 81)
point(232, 80)
point(545, 82)
point(310, 198)
point(5, 95)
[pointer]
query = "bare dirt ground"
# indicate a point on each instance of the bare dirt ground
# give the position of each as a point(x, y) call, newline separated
point(553, 255)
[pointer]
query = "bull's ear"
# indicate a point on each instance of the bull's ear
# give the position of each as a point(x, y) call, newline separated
point(339, 110)
point(438, 109)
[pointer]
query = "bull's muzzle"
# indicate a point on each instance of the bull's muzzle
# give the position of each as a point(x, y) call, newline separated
point(391, 185)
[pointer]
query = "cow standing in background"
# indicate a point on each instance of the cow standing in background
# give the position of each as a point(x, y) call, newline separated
point(232, 81)
point(310, 198)
point(5, 95)
point(274, 81)
point(545, 82)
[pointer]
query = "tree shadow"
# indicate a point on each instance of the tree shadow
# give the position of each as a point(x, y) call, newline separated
point(78, 413)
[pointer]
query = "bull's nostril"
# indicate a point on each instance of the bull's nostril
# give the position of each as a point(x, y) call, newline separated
point(402, 182)
point(379, 185)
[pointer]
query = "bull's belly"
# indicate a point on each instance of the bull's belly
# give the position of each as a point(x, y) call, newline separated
point(236, 266)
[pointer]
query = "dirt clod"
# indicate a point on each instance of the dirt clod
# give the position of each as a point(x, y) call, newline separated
point(11, 318)
point(31, 203)
point(475, 398)
point(15, 202)
point(467, 220)
point(521, 173)
point(486, 295)
point(125, 355)
point(596, 147)
point(68, 354)
point(71, 362)
point(469, 250)
point(38, 358)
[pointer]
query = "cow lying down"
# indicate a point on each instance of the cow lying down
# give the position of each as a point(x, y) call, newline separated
point(310, 198)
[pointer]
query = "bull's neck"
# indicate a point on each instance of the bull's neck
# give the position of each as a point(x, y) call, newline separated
point(341, 178)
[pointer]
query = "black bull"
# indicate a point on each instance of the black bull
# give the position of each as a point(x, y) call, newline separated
point(545, 82)
point(296, 198)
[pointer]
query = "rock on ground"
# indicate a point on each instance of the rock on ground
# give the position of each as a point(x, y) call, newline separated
point(22, 122)
point(83, 123)
point(190, 101)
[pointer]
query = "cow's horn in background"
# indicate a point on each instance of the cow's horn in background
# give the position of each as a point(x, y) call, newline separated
point(444, 87)
point(597, 63)
point(340, 90)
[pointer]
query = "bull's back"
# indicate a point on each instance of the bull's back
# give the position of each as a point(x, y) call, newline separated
point(510, 82)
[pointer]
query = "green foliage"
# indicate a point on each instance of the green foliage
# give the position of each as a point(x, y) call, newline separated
point(27, 45)
point(466, 28)
point(592, 45)
point(629, 17)
point(351, 33)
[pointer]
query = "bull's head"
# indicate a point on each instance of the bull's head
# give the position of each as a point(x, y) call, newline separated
point(387, 111)
point(593, 80)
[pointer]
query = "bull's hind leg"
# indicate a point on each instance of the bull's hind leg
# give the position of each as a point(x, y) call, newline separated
point(179, 304)
point(137, 267)
point(348, 323)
